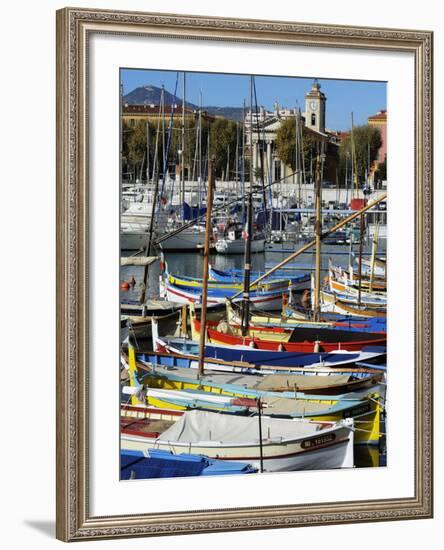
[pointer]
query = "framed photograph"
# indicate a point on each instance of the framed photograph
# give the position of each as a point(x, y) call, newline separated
point(233, 351)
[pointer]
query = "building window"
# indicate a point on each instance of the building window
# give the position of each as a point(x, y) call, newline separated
point(313, 119)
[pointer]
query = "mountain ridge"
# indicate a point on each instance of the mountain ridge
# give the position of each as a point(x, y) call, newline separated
point(151, 95)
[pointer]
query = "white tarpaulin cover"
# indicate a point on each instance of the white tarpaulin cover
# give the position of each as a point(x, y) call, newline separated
point(199, 426)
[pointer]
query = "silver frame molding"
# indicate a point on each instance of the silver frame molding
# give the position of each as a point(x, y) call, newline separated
point(73, 519)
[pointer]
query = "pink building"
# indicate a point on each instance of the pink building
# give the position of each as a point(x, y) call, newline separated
point(380, 121)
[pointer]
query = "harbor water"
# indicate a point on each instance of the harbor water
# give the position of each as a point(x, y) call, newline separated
point(191, 264)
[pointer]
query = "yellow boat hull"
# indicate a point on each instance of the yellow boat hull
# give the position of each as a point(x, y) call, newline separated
point(367, 415)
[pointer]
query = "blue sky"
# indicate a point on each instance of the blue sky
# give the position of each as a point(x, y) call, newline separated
point(363, 98)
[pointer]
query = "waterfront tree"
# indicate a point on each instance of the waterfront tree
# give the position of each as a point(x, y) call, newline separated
point(223, 146)
point(367, 142)
point(286, 145)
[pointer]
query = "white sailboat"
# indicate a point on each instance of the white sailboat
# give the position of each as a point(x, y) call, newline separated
point(233, 241)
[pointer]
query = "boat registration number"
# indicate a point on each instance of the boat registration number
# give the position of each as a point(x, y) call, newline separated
point(318, 441)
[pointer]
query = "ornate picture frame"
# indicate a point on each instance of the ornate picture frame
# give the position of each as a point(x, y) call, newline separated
point(74, 520)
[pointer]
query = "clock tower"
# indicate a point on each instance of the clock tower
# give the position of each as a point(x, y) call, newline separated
point(315, 108)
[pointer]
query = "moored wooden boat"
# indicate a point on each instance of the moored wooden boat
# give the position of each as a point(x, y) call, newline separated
point(363, 405)
point(194, 282)
point(264, 300)
point(302, 340)
point(287, 322)
point(353, 309)
point(343, 279)
point(282, 444)
point(156, 463)
point(323, 380)
point(373, 302)
point(245, 358)
point(300, 281)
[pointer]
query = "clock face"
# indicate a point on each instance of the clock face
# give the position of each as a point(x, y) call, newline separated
point(313, 105)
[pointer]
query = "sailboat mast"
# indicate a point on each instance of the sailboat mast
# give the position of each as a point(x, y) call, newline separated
point(162, 102)
point(147, 152)
point(200, 148)
point(244, 115)
point(354, 171)
point(298, 155)
point(318, 232)
point(203, 317)
point(182, 157)
point(251, 134)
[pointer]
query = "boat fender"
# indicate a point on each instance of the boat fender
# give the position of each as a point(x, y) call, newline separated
point(131, 390)
point(317, 346)
point(252, 344)
point(124, 285)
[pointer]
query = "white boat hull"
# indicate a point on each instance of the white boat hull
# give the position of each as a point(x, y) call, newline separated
point(263, 303)
point(186, 240)
point(226, 246)
point(312, 449)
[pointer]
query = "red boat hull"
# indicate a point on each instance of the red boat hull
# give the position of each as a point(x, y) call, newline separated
point(307, 346)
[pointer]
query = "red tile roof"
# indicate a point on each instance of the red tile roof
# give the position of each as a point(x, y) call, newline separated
point(380, 116)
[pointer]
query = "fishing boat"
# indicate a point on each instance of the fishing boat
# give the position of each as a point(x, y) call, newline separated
point(379, 267)
point(347, 308)
point(289, 313)
point(203, 392)
point(300, 281)
point(354, 287)
point(195, 282)
point(327, 321)
point(247, 358)
point(157, 463)
point(366, 301)
point(300, 340)
point(334, 387)
point(180, 352)
point(263, 300)
point(346, 281)
point(273, 445)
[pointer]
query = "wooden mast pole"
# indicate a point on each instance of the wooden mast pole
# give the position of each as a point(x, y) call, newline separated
point(247, 249)
point(247, 270)
point(361, 236)
point(373, 260)
point(203, 317)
